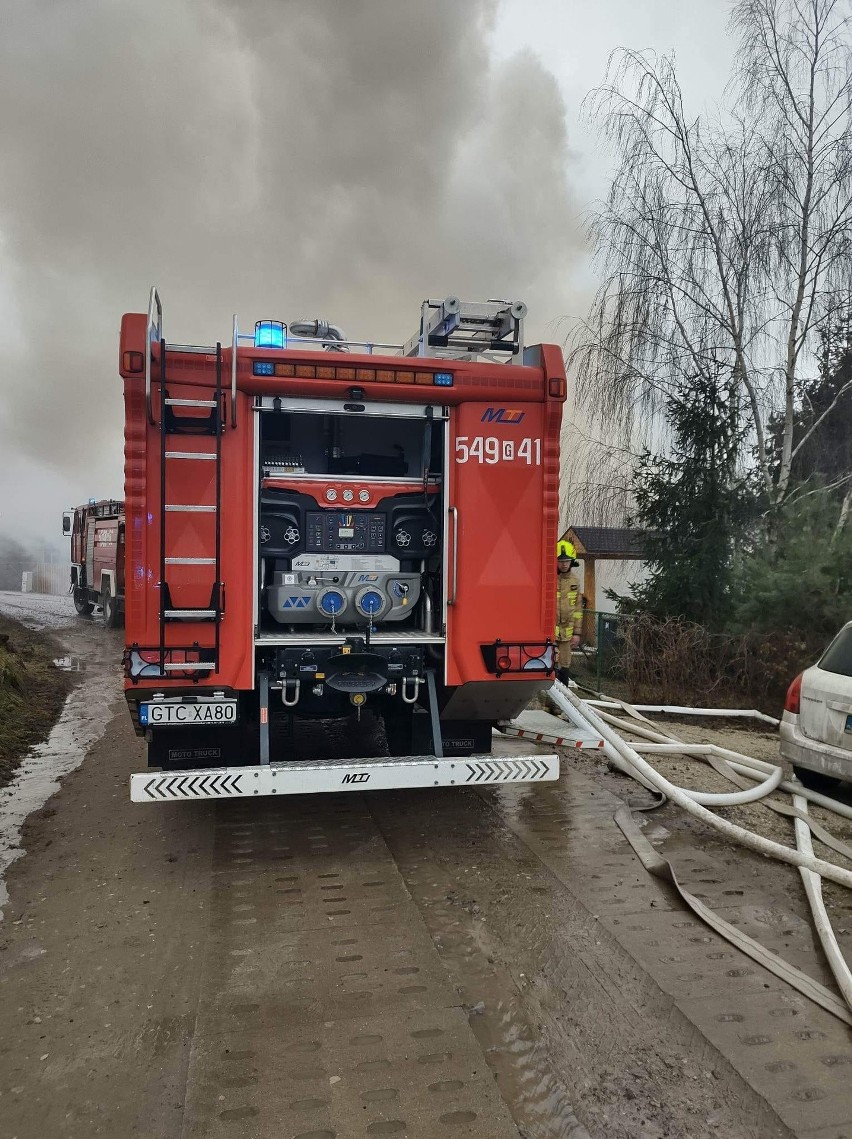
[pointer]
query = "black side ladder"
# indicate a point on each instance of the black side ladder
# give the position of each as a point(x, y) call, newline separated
point(197, 658)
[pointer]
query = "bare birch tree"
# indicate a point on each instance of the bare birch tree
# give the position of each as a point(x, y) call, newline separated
point(725, 239)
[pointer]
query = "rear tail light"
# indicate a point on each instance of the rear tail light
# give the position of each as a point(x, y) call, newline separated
point(794, 695)
point(514, 656)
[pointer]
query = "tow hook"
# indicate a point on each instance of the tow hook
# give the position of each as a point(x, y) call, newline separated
point(285, 690)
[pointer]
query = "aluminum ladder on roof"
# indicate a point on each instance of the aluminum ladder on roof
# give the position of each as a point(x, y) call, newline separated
point(451, 327)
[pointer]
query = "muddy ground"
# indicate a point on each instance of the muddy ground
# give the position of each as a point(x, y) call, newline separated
point(33, 687)
point(425, 964)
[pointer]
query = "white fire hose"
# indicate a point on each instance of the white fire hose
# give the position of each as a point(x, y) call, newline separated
point(725, 754)
point(634, 764)
point(766, 778)
point(813, 889)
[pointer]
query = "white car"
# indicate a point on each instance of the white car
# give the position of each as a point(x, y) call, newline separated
point(816, 730)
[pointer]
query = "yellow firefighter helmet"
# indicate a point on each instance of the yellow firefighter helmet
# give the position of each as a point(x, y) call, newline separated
point(565, 549)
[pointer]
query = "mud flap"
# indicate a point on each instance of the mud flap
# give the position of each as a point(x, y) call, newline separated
point(189, 748)
point(411, 734)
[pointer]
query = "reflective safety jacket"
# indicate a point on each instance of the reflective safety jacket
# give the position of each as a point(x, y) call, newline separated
point(569, 607)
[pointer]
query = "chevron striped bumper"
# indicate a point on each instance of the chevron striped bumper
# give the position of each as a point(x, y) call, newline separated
point(314, 778)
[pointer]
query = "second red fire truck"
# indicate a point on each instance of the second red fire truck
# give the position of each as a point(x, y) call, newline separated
point(316, 525)
point(97, 533)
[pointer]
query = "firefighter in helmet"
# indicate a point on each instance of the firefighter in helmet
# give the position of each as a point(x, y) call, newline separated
point(569, 607)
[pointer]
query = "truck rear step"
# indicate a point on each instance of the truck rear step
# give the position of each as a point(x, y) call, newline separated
point(315, 777)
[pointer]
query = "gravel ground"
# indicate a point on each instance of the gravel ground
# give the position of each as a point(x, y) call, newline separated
point(38, 610)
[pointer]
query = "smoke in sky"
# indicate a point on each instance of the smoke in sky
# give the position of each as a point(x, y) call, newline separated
point(277, 158)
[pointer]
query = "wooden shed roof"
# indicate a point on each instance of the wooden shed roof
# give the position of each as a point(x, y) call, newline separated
point(614, 543)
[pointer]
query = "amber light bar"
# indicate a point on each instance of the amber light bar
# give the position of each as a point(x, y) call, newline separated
point(351, 375)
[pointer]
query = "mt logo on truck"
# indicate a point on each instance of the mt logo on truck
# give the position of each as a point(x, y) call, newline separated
point(313, 529)
point(502, 415)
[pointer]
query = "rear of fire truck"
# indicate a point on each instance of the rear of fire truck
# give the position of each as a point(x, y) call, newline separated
point(317, 527)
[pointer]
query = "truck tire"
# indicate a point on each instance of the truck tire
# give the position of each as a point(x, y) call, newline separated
point(112, 619)
point(81, 602)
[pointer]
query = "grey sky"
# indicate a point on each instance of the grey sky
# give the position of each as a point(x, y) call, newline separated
point(284, 158)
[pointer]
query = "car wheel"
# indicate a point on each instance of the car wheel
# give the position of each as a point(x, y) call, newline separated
point(81, 602)
point(110, 608)
point(815, 780)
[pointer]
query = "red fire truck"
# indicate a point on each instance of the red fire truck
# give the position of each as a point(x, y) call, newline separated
point(316, 525)
point(97, 558)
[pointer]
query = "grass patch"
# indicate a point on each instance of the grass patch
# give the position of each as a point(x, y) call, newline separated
point(32, 692)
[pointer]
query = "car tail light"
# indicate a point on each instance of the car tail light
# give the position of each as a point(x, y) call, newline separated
point(504, 663)
point(794, 695)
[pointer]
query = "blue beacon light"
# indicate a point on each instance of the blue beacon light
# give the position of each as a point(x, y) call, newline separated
point(443, 379)
point(269, 334)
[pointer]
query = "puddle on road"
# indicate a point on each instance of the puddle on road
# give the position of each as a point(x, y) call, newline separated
point(93, 653)
point(511, 1041)
point(505, 1021)
point(525, 1076)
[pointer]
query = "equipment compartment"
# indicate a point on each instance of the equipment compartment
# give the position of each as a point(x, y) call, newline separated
point(350, 517)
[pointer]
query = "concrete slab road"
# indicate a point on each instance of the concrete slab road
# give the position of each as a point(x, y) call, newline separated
point(492, 964)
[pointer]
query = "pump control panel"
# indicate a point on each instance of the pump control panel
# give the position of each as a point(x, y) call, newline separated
point(338, 532)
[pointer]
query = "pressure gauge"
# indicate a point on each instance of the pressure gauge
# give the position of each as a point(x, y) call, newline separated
point(331, 495)
point(363, 496)
point(348, 495)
